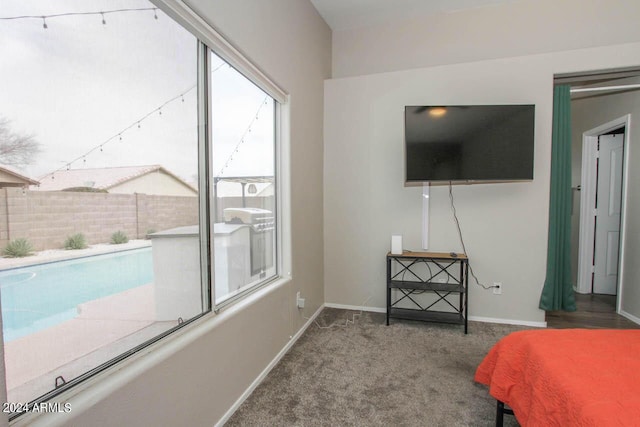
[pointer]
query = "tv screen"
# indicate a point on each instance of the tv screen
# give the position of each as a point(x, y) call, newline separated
point(469, 143)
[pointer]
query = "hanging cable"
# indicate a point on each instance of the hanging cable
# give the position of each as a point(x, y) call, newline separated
point(464, 249)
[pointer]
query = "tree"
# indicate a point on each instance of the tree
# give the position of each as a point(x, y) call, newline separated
point(16, 149)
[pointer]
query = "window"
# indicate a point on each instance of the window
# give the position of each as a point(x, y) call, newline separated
point(121, 194)
point(244, 182)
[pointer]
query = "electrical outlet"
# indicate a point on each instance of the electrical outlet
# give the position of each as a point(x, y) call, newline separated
point(299, 301)
point(497, 288)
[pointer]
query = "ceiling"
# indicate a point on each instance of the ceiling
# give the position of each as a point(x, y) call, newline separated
point(349, 14)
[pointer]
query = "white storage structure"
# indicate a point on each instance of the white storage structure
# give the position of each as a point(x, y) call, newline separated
point(176, 267)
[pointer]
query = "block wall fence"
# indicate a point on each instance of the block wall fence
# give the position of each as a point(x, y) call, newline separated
point(46, 219)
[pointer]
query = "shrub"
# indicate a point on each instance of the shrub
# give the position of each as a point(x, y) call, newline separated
point(18, 248)
point(119, 237)
point(76, 241)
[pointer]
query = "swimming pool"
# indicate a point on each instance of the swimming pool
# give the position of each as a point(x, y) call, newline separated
point(40, 296)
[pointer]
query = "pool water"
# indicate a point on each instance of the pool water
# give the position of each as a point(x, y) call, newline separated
point(40, 296)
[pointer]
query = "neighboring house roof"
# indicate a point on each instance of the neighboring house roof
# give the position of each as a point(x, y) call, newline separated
point(9, 177)
point(99, 178)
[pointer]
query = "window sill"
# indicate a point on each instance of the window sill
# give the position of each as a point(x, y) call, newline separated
point(106, 383)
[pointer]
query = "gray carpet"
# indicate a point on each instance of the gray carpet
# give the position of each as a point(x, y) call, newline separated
point(368, 374)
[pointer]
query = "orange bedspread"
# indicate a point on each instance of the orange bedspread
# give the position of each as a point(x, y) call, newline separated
point(567, 377)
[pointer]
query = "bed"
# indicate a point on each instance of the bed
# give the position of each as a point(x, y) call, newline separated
point(566, 377)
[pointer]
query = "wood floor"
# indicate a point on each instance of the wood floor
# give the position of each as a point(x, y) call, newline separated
point(593, 311)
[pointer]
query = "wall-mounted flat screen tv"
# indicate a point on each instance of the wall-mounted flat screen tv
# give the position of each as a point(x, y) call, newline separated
point(469, 143)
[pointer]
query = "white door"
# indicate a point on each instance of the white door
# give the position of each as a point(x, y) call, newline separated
point(608, 206)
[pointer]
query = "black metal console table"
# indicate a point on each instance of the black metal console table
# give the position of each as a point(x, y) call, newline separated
point(439, 274)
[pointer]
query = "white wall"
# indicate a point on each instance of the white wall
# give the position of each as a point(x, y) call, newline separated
point(454, 58)
point(195, 377)
point(504, 225)
point(519, 28)
point(587, 114)
point(366, 202)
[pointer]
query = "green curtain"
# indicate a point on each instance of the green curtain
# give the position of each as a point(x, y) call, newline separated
point(558, 289)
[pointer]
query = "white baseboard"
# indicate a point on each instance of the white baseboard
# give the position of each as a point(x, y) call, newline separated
point(631, 317)
point(472, 318)
point(508, 321)
point(266, 370)
point(356, 307)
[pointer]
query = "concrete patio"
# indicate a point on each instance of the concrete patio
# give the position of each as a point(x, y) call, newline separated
point(103, 329)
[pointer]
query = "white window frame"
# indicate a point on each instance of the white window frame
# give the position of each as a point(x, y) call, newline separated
point(191, 21)
point(217, 306)
point(103, 374)
point(182, 13)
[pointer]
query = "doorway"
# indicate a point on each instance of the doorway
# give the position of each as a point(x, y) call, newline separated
point(602, 196)
point(597, 98)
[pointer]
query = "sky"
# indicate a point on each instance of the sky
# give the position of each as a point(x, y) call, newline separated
point(81, 87)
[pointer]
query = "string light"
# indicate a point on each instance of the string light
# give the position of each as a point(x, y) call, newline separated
point(242, 138)
point(133, 124)
point(66, 14)
point(139, 121)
